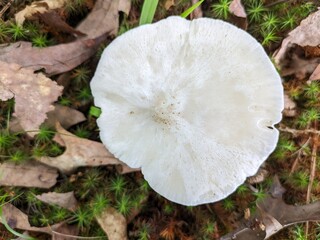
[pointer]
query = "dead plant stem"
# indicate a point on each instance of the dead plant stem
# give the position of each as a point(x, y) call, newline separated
point(5, 8)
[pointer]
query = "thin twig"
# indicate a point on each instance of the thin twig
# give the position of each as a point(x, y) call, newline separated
point(299, 151)
point(5, 8)
point(296, 132)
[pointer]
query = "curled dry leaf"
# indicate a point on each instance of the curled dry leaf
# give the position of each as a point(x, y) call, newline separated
point(289, 107)
point(113, 223)
point(64, 200)
point(307, 37)
point(79, 152)
point(31, 174)
point(55, 59)
point(34, 94)
point(272, 215)
point(38, 7)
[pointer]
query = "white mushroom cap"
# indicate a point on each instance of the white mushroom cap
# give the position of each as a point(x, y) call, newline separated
point(193, 103)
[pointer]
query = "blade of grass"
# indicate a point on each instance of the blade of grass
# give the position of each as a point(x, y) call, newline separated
point(187, 12)
point(94, 111)
point(148, 11)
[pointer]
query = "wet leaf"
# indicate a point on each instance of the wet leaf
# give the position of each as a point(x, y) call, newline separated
point(79, 152)
point(31, 174)
point(64, 200)
point(113, 223)
point(34, 94)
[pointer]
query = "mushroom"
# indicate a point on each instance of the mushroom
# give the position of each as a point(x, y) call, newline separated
point(193, 103)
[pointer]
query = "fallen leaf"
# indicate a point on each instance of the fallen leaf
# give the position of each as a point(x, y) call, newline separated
point(66, 116)
point(124, 6)
point(289, 107)
point(17, 219)
point(34, 94)
point(65, 232)
point(113, 223)
point(38, 7)
point(104, 18)
point(79, 152)
point(57, 24)
point(54, 59)
point(316, 74)
point(124, 169)
point(30, 174)
point(65, 200)
point(237, 9)
point(168, 4)
point(272, 215)
point(306, 35)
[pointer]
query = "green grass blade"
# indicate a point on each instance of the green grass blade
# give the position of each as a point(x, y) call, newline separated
point(187, 12)
point(148, 11)
point(94, 111)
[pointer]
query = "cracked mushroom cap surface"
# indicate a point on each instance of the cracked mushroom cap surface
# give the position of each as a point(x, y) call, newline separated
point(191, 103)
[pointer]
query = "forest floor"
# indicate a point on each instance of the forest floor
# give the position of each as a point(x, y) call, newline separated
point(56, 45)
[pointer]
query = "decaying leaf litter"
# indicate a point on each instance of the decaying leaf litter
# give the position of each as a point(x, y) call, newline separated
point(101, 189)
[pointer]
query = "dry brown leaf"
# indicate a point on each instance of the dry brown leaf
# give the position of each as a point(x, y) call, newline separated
point(289, 107)
point(272, 215)
point(79, 152)
point(34, 94)
point(305, 36)
point(16, 219)
point(168, 4)
point(66, 232)
point(113, 223)
point(124, 6)
point(30, 174)
point(38, 7)
point(65, 200)
point(56, 24)
point(66, 116)
point(104, 18)
point(237, 9)
point(55, 59)
point(316, 74)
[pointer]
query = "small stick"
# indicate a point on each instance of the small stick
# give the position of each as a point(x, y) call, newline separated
point(5, 8)
point(294, 165)
point(296, 132)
